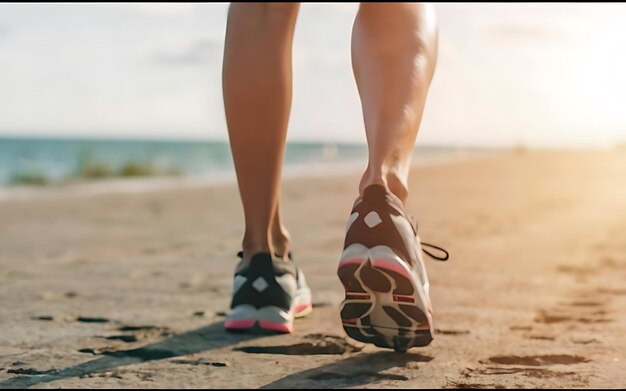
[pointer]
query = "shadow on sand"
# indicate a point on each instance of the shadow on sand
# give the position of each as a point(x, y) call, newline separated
point(360, 370)
point(206, 338)
point(354, 371)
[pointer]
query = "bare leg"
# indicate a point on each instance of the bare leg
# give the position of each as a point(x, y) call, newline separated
point(257, 99)
point(394, 51)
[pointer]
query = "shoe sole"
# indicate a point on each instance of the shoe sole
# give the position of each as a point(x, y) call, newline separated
point(383, 304)
point(245, 318)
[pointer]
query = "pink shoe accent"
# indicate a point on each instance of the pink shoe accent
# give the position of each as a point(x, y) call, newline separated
point(300, 308)
point(239, 324)
point(274, 326)
point(405, 299)
point(350, 261)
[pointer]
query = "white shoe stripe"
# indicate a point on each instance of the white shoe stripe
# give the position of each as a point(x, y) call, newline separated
point(351, 220)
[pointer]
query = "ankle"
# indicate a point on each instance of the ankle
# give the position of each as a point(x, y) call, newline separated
point(280, 242)
point(252, 244)
point(389, 178)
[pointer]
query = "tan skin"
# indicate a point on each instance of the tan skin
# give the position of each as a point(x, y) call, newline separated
point(394, 52)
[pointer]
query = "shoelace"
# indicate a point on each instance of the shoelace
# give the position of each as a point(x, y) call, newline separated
point(443, 258)
point(436, 258)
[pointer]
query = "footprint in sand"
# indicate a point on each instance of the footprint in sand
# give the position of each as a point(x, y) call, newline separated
point(133, 334)
point(594, 320)
point(88, 350)
point(140, 333)
point(105, 350)
point(585, 341)
point(611, 262)
point(541, 337)
point(537, 361)
point(521, 328)
point(451, 332)
point(549, 318)
point(46, 318)
point(580, 271)
point(523, 365)
point(587, 317)
point(57, 296)
point(123, 338)
point(88, 319)
point(540, 373)
point(201, 361)
point(465, 386)
point(138, 328)
point(586, 304)
point(365, 376)
point(148, 332)
point(613, 291)
point(31, 371)
point(313, 344)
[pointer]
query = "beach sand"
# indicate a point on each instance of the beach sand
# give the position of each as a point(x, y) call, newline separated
point(129, 290)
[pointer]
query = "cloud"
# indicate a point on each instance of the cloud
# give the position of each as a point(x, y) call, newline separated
point(524, 32)
point(202, 51)
point(162, 9)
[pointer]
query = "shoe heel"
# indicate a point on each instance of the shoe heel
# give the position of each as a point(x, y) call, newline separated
point(245, 317)
point(380, 301)
point(357, 301)
point(275, 319)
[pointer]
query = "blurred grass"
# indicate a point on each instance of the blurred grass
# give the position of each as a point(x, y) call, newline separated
point(137, 169)
point(33, 178)
point(89, 168)
point(94, 171)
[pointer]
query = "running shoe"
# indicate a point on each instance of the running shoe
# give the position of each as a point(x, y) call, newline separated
point(268, 293)
point(386, 287)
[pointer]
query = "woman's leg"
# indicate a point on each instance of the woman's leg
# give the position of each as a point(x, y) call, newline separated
point(257, 99)
point(394, 51)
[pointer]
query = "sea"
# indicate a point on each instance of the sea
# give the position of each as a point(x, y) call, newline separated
point(32, 161)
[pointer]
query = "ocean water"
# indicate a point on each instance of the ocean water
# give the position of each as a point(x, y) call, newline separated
point(28, 161)
point(43, 160)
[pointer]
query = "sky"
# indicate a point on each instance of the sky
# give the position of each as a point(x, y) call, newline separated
point(507, 74)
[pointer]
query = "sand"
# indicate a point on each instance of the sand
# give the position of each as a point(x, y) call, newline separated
point(129, 290)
